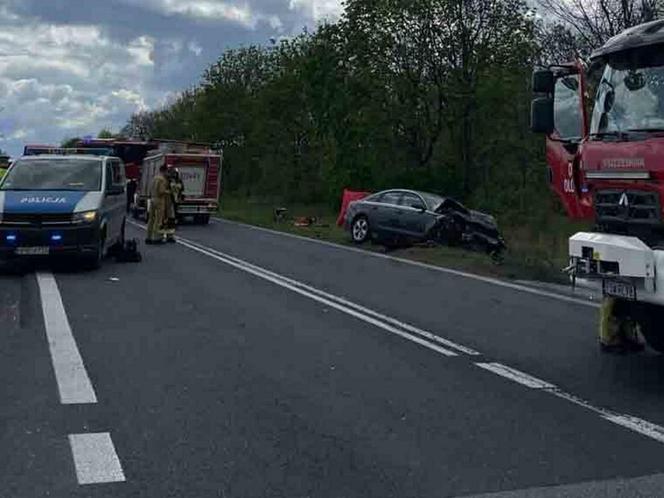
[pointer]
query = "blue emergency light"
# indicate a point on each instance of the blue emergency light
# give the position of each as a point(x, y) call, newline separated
point(11, 237)
point(56, 237)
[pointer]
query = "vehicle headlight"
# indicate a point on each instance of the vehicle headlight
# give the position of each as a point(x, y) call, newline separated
point(85, 217)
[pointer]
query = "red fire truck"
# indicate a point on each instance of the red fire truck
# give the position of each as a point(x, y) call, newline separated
point(199, 168)
point(132, 152)
point(604, 123)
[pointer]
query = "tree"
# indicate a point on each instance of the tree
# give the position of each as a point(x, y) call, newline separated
point(588, 24)
point(428, 94)
point(70, 143)
point(140, 125)
point(105, 133)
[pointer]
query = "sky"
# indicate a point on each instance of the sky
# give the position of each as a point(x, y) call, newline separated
point(71, 67)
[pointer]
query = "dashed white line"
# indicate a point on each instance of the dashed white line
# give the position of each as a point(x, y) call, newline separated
point(516, 375)
point(73, 382)
point(643, 427)
point(95, 458)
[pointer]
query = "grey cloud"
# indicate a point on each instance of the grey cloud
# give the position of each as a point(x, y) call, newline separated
point(69, 67)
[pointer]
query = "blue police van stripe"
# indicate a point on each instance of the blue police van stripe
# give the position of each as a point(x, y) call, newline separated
point(41, 202)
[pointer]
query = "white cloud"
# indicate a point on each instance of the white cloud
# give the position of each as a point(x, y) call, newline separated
point(318, 9)
point(195, 48)
point(66, 72)
point(59, 80)
point(211, 10)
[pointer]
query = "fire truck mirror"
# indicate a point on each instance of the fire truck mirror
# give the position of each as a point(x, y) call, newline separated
point(541, 115)
point(543, 81)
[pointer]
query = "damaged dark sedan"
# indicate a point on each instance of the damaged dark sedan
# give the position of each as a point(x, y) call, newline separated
point(412, 216)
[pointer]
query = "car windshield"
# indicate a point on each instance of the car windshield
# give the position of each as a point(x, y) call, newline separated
point(54, 174)
point(630, 95)
point(432, 200)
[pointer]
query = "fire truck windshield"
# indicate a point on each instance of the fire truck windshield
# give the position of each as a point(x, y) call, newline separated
point(630, 96)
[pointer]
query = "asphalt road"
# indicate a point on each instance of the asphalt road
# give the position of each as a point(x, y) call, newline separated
point(243, 363)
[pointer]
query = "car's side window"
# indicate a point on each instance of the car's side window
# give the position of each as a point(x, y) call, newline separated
point(391, 198)
point(410, 200)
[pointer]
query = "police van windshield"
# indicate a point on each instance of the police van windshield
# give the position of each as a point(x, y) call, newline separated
point(54, 174)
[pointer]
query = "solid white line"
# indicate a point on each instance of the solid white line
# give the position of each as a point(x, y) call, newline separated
point(405, 326)
point(73, 382)
point(635, 424)
point(335, 302)
point(641, 426)
point(441, 269)
point(516, 375)
point(322, 300)
point(95, 458)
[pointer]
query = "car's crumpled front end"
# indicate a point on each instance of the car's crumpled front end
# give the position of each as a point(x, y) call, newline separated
point(460, 226)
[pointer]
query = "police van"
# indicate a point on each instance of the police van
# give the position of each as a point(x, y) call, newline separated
point(52, 205)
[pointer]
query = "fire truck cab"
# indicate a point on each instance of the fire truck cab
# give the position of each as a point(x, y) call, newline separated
point(604, 123)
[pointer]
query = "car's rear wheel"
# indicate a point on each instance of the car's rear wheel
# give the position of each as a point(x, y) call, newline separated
point(360, 229)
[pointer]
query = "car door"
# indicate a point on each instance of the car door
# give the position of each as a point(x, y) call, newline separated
point(386, 213)
point(114, 199)
point(414, 216)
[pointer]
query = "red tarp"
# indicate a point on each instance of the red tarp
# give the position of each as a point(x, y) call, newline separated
point(349, 196)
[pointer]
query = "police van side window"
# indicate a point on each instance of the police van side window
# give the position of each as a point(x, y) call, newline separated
point(109, 175)
point(118, 177)
point(114, 176)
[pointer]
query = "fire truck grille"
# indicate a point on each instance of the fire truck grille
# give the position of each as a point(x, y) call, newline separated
point(628, 206)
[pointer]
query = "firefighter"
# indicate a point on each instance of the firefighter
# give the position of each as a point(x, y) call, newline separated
point(175, 190)
point(159, 197)
point(619, 329)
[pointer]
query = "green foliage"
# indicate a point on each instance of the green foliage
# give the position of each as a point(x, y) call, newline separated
point(428, 94)
point(106, 133)
point(69, 143)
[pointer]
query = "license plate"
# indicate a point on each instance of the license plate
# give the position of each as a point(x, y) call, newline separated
point(614, 288)
point(32, 251)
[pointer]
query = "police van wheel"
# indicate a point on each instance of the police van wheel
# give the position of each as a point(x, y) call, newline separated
point(94, 261)
point(120, 244)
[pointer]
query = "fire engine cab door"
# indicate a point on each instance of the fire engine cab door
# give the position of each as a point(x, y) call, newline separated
point(570, 124)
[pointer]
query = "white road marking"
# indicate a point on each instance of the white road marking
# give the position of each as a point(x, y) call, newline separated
point(73, 382)
point(516, 375)
point(315, 297)
point(95, 458)
point(449, 271)
point(640, 426)
point(635, 424)
point(344, 302)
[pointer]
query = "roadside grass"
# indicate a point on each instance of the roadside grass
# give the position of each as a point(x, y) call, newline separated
point(536, 251)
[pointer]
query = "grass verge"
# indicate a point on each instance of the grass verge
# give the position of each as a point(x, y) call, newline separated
point(537, 251)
